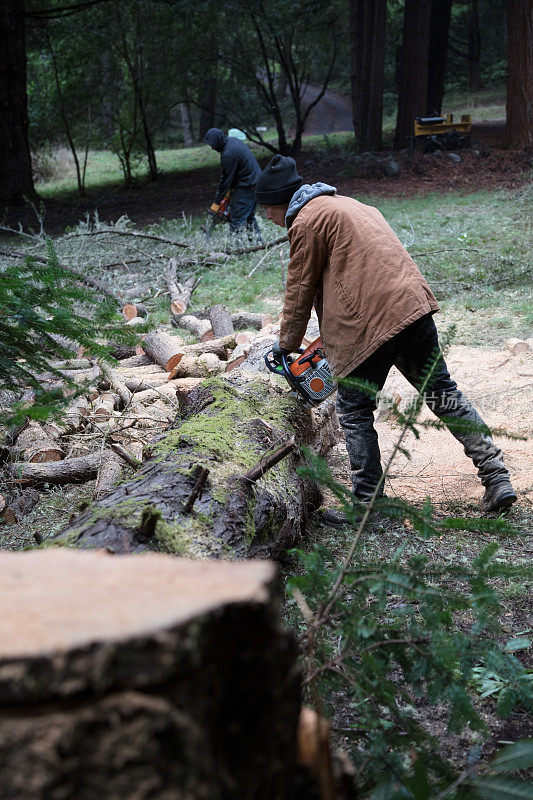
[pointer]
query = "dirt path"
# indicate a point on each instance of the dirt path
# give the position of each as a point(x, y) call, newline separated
point(501, 388)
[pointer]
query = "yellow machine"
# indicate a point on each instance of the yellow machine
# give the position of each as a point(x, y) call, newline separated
point(437, 133)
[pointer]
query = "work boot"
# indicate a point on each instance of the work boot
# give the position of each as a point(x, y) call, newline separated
point(499, 496)
point(336, 519)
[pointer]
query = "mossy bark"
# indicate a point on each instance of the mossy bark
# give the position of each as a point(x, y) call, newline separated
point(226, 427)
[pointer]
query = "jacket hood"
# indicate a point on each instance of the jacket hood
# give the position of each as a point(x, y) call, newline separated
point(216, 139)
point(304, 194)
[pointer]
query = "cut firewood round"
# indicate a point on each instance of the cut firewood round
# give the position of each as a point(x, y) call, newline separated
point(104, 405)
point(165, 350)
point(132, 310)
point(201, 367)
point(13, 512)
point(35, 445)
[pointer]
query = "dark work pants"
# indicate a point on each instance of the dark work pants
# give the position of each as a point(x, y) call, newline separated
point(411, 351)
point(242, 212)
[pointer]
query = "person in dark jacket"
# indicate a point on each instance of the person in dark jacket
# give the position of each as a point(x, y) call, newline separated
point(240, 172)
point(375, 310)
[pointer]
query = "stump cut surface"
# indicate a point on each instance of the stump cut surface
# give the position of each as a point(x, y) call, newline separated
point(95, 597)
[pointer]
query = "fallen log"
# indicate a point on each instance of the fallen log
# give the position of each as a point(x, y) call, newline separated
point(116, 382)
point(165, 350)
point(198, 367)
point(218, 346)
point(109, 473)
point(225, 427)
point(134, 361)
point(247, 319)
point(201, 328)
point(220, 321)
point(138, 372)
point(70, 470)
point(144, 382)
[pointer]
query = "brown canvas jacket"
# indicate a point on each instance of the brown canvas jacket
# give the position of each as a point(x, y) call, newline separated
point(346, 259)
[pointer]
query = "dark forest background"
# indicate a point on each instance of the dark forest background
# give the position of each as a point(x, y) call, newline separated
point(130, 76)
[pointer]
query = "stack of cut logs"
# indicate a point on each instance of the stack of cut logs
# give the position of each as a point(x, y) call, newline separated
point(123, 405)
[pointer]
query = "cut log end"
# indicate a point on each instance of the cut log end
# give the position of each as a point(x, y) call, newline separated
point(178, 307)
point(173, 362)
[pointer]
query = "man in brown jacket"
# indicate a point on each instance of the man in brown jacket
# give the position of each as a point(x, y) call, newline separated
point(375, 311)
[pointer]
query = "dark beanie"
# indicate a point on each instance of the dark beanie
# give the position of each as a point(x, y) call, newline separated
point(278, 182)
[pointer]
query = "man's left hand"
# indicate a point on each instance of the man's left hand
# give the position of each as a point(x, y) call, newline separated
point(278, 352)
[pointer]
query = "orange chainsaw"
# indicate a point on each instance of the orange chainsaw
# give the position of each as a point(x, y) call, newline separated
point(219, 212)
point(308, 373)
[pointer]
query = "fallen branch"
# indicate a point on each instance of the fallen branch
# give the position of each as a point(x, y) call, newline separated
point(269, 461)
point(134, 234)
point(257, 247)
point(125, 456)
point(116, 382)
point(180, 294)
point(86, 279)
point(197, 490)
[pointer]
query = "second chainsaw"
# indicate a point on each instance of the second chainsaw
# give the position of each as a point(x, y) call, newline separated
point(218, 213)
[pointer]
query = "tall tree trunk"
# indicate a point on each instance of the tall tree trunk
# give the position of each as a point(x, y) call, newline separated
point(474, 49)
point(367, 47)
point(414, 68)
point(519, 131)
point(186, 124)
point(438, 49)
point(16, 181)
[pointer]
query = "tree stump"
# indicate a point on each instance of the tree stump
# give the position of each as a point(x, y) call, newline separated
point(144, 677)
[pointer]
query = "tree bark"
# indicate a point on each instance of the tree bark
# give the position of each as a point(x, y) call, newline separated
point(519, 129)
point(367, 48)
point(16, 181)
point(221, 321)
point(221, 428)
point(412, 97)
point(438, 49)
point(474, 48)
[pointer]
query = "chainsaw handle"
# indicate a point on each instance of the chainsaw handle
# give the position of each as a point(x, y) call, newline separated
point(275, 366)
